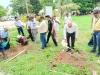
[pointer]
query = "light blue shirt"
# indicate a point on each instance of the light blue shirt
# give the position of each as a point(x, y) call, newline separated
point(4, 34)
point(18, 23)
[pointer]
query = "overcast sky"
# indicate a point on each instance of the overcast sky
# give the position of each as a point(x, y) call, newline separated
point(4, 3)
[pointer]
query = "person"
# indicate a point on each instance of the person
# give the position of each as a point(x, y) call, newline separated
point(56, 27)
point(67, 19)
point(29, 28)
point(96, 31)
point(19, 26)
point(4, 41)
point(33, 25)
point(72, 32)
point(43, 29)
point(5, 36)
point(22, 39)
point(50, 30)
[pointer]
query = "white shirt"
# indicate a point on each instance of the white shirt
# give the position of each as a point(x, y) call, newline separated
point(33, 24)
point(74, 28)
point(18, 23)
point(56, 25)
point(67, 19)
point(43, 27)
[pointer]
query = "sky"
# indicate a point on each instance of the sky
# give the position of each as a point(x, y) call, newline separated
point(4, 3)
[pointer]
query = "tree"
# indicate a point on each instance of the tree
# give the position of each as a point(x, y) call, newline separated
point(85, 5)
point(2, 11)
point(66, 5)
point(36, 6)
point(48, 3)
point(20, 6)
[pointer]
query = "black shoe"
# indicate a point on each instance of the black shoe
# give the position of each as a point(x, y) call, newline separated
point(92, 51)
point(98, 55)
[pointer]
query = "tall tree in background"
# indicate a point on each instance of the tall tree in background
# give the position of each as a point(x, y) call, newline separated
point(20, 6)
point(36, 6)
point(2, 11)
point(85, 5)
point(48, 3)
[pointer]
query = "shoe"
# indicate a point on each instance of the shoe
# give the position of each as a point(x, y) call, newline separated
point(72, 51)
point(98, 55)
point(92, 51)
point(68, 50)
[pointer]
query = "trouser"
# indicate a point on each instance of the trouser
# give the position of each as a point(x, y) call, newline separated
point(34, 35)
point(30, 34)
point(72, 36)
point(96, 41)
point(91, 41)
point(56, 35)
point(43, 39)
point(48, 37)
point(20, 30)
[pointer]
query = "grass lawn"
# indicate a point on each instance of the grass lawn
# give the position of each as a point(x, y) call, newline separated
point(36, 62)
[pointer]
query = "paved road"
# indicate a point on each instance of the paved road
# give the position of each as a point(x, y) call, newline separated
point(9, 24)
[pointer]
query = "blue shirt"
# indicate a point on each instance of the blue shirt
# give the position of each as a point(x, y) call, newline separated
point(4, 34)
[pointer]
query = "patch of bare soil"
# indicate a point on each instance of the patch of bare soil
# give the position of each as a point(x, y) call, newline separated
point(75, 59)
point(14, 51)
point(17, 49)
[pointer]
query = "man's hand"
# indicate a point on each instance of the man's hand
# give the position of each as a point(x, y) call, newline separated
point(8, 39)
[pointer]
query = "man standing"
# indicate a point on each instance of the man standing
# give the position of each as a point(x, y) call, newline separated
point(29, 29)
point(96, 31)
point(42, 29)
point(19, 26)
point(56, 27)
point(67, 19)
point(33, 29)
point(50, 30)
point(70, 31)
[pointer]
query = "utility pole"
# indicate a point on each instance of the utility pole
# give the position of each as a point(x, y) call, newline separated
point(27, 7)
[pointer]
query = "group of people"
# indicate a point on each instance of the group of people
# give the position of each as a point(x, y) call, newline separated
point(70, 32)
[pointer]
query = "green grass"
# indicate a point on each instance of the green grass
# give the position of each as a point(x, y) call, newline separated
point(36, 62)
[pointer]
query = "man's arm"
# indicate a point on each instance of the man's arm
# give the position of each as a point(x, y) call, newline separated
point(57, 21)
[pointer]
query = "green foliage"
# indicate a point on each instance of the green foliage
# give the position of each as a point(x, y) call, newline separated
point(2, 11)
point(36, 6)
point(20, 6)
point(48, 3)
point(86, 5)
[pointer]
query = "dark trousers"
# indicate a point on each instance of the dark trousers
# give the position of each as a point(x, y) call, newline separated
point(72, 36)
point(91, 41)
point(20, 30)
point(53, 38)
point(30, 34)
point(43, 39)
point(96, 41)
